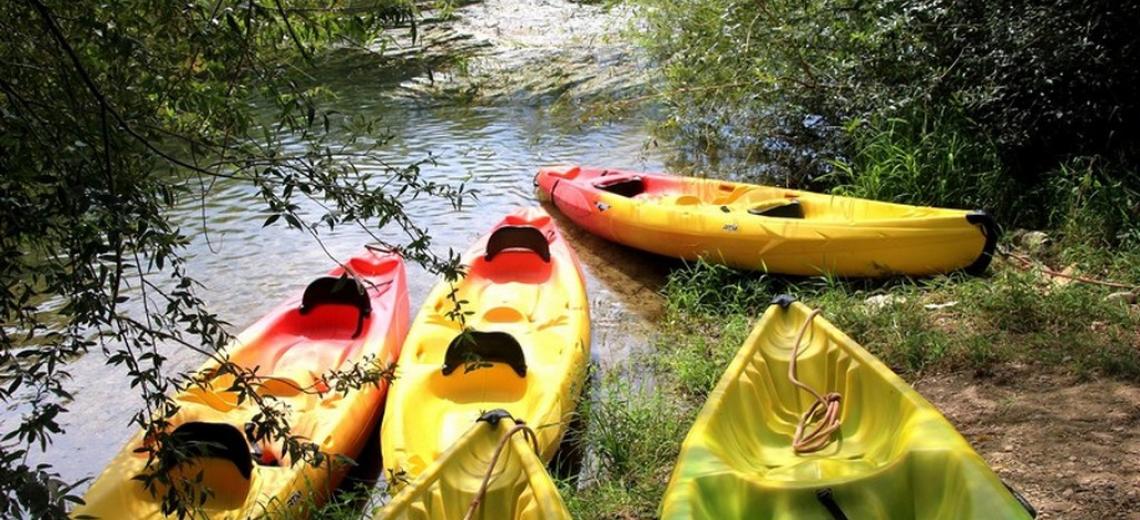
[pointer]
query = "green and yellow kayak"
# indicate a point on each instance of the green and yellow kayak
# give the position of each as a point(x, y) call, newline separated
point(518, 488)
point(894, 455)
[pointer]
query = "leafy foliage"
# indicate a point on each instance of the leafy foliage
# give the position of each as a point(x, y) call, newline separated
point(112, 114)
point(1038, 83)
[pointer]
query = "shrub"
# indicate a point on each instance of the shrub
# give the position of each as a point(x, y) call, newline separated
point(1042, 82)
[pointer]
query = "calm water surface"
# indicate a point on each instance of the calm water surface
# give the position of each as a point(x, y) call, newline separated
point(247, 269)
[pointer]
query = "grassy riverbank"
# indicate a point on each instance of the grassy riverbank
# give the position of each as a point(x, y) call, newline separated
point(879, 100)
point(973, 327)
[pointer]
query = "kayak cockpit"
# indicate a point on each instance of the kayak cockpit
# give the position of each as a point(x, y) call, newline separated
point(718, 197)
point(625, 186)
point(874, 416)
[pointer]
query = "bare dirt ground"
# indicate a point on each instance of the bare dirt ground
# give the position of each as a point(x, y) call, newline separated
point(1071, 447)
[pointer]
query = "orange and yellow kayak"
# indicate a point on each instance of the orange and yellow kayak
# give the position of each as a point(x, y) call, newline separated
point(522, 345)
point(338, 322)
point(769, 228)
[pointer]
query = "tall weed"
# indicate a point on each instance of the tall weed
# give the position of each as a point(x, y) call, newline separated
point(929, 159)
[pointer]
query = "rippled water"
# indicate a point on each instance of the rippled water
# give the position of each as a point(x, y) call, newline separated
point(247, 269)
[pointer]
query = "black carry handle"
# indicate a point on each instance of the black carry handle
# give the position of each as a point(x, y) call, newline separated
point(992, 232)
point(475, 346)
point(216, 440)
point(343, 291)
point(494, 416)
point(783, 300)
point(827, 498)
point(518, 237)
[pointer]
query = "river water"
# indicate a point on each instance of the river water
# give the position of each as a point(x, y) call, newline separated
point(496, 149)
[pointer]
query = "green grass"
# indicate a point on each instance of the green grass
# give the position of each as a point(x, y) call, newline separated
point(924, 159)
point(1013, 316)
point(358, 502)
point(632, 435)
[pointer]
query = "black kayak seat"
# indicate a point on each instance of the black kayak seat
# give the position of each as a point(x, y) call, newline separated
point(215, 440)
point(624, 186)
point(343, 291)
point(475, 347)
point(780, 209)
point(528, 238)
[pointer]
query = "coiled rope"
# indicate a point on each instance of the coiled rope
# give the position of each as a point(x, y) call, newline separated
point(825, 405)
point(482, 493)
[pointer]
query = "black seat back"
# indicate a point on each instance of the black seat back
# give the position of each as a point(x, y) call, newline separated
point(342, 291)
point(517, 237)
point(474, 347)
point(215, 440)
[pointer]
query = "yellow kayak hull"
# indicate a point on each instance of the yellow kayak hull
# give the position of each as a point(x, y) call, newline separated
point(895, 456)
point(519, 487)
point(768, 228)
point(529, 300)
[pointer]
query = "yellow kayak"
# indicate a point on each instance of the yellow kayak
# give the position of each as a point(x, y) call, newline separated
point(893, 456)
point(335, 324)
point(768, 228)
point(519, 486)
point(523, 348)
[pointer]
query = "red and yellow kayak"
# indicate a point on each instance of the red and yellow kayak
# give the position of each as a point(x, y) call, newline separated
point(523, 347)
point(336, 323)
point(769, 228)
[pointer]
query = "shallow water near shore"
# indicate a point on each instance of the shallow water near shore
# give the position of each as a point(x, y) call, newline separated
point(246, 269)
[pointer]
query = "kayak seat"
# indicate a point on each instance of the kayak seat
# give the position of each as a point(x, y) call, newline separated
point(213, 395)
point(518, 254)
point(780, 208)
point(728, 193)
point(215, 440)
point(503, 314)
point(297, 382)
point(472, 348)
point(879, 425)
point(220, 454)
point(515, 238)
point(624, 186)
point(338, 291)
